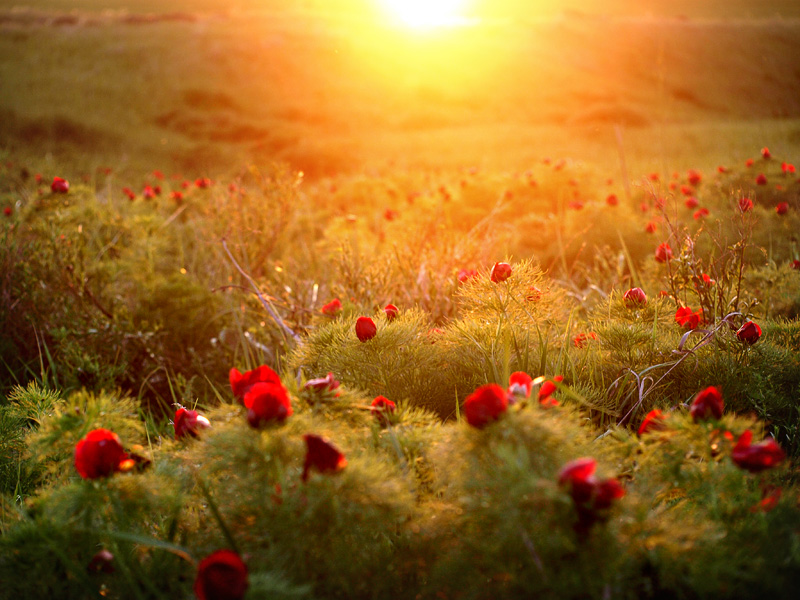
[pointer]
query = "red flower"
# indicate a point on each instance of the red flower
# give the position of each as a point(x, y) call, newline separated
point(520, 384)
point(148, 192)
point(796, 264)
point(221, 575)
point(686, 190)
point(707, 281)
point(749, 333)
point(721, 169)
point(322, 456)
point(707, 404)
point(391, 312)
point(589, 495)
point(782, 208)
point(465, 275)
point(634, 297)
point(653, 421)
point(545, 394)
point(500, 272)
point(700, 213)
point(381, 407)
point(691, 202)
point(787, 168)
point(189, 422)
point(686, 318)
point(202, 182)
point(612, 200)
point(177, 196)
point(332, 308)
point(365, 329)
point(663, 253)
point(8, 211)
point(765, 153)
point(694, 177)
point(59, 185)
point(129, 193)
point(749, 163)
point(769, 500)
point(485, 405)
point(241, 383)
point(158, 174)
point(650, 227)
point(745, 204)
point(322, 384)
point(100, 454)
point(761, 179)
point(653, 176)
point(266, 402)
point(758, 457)
point(580, 340)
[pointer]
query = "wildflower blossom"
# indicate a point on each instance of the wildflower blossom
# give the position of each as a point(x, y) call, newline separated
point(365, 329)
point(749, 333)
point(663, 253)
point(241, 383)
point(391, 312)
point(500, 272)
point(653, 421)
point(332, 308)
point(100, 454)
point(634, 298)
point(188, 423)
point(267, 402)
point(321, 456)
point(59, 185)
point(756, 457)
point(221, 575)
point(485, 405)
point(707, 404)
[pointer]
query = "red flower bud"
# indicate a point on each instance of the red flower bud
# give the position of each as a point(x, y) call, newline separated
point(221, 576)
point(485, 405)
point(242, 382)
point(365, 329)
point(267, 402)
point(634, 298)
point(707, 404)
point(761, 179)
point(100, 454)
point(391, 312)
point(500, 272)
point(663, 253)
point(758, 457)
point(749, 333)
point(59, 185)
point(322, 456)
point(782, 208)
point(189, 422)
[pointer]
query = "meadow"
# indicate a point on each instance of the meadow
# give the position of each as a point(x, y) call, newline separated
point(297, 303)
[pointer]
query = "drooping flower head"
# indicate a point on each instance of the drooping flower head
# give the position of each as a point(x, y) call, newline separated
point(221, 575)
point(500, 272)
point(267, 403)
point(756, 457)
point(485, 404)
point(322, 456)
point(749, 333)
point(365, 329)
point(242, 382)
point(100, 454)
point(707, 404)
point(189, 423)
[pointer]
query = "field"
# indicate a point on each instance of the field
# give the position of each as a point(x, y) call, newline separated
point(366, 306)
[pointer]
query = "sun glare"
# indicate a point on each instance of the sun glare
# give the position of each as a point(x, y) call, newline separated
point(422, 14)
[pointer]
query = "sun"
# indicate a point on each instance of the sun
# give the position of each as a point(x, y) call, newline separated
point(422, 14)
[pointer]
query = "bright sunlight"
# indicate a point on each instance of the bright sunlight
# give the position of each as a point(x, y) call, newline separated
point(422, 14)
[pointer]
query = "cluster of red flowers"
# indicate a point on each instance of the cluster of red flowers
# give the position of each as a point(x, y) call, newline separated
point(488, 402)
point(686, 317)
